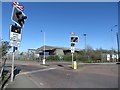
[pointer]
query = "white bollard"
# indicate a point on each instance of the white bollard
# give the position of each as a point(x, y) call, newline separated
point(43, 61)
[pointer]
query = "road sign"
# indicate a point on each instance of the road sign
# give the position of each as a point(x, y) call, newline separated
point(15, 43)
point(72, 33)
point(16, 4)
point(72, 49)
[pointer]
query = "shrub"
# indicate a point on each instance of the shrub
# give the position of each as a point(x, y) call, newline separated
point(52, 58)
point(67, 57)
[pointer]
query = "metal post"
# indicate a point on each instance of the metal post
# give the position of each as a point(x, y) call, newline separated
point(119, 37)
point(85, 46)
point(118, 47)
point(44, 50)
point(112, 40)
point(112, 45)
point(12, 71)
point(72, 60)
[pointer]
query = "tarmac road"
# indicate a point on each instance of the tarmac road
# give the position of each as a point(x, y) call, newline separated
point(62, 76)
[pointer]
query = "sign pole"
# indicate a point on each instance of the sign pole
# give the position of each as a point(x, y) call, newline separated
point(18, 18)
point(72, 60)
point(12, 71)
point(73, 40)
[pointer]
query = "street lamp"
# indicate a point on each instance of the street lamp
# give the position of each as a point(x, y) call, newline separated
point(112, 40)
point(86, 56)
point(118, 43)
point(44, 46)
point(112, 33)
point(85, 42)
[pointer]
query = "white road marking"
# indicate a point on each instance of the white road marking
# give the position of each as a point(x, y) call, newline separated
point(36, 71)
point(41, 84)
point(95, 63)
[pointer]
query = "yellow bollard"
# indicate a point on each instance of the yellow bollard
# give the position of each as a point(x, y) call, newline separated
point(75, 65)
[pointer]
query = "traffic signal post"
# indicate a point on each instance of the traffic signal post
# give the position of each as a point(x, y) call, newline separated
point(72, 51)
point(12, 71)
point(73, 40)
point(18, 17)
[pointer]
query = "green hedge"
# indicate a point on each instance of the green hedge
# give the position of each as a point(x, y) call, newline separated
point(77, 56)
point(53, 58)
point(68, 57)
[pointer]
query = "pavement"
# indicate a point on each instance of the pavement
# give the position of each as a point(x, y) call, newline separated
point(21, 81)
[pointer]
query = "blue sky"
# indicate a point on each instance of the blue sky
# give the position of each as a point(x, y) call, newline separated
point(57, 20)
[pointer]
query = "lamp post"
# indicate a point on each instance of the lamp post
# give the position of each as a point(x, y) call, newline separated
point(85, 46)
point(44, 46)
point(118, 43)
point(118, 35)
point(112, 41)
point(44, 49)
point(85, 35)
point(85, 42)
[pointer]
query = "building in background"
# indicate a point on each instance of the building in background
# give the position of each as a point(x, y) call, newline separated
point(55, 50)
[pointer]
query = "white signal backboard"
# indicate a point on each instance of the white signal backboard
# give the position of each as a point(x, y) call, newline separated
point(15, 38)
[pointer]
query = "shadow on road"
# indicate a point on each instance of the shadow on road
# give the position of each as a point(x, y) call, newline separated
point(16, 71)
point(65, 67)
point(60, 65)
